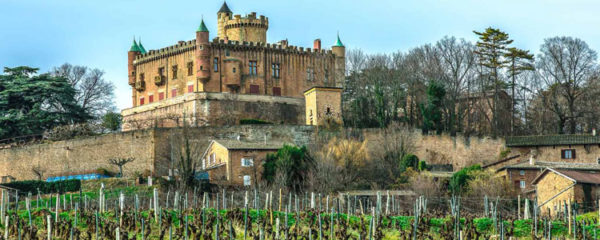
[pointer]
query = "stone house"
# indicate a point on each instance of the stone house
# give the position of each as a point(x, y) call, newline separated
point(557, 148)
point(523, 174)
point(558, 188)
point(235, 162)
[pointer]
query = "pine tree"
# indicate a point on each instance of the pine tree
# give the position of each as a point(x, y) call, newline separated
point(432, 112)
point(491, 49)
point(519, 62)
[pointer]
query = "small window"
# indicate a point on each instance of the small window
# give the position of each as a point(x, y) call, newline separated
point(233, 70)
point(216, 64)
point(522, 172)
point(190, 88)
point(247, 181)
point(522, 184)
point(141, 77)
point(247, 162)
point(227, 52)
point(254, 89)
point(161, 96)
point(190, 68)
point(161, 71)
point(252, 68)
point(275, 70)
point(328, 112)
point(142, 101)
point(310, 74)
point(174, 93)
point(150, 98)
point(568, 154)
point(174, 71)
point(213, 158)
point(326, 76)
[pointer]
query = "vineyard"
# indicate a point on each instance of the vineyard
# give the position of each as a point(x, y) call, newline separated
point(146, 213)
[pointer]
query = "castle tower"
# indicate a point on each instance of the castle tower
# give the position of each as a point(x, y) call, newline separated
point(249, 28)
point(223, 15)
point(202, 54)
point(339, 50)
point(323, 105)
point(133, 52)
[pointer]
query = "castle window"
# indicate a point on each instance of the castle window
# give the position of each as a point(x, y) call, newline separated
point(276, 91)
point(190, 88)
point(150, 98)
point(216, 64)
point(252, 68)
point(174, 92)
point(227, 52)
point(142, 101)
point(161, 71)
point(310, 74)
point(275, 70)
point(190, 68)
point(326, 76)
point(254, 89)
point(161, 96)
point(174, 71)
point(233, 70)
point(141, 77)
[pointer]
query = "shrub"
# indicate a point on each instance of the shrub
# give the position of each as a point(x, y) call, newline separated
point(423, 166)
point(409, 160)
point(459, 179)
point(254, 121)
point(46, 187)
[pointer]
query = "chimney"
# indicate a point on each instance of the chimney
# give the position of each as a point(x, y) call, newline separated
point(317, 44)
point(532, 156)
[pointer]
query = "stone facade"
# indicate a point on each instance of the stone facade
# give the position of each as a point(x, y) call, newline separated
point(583, 153)
point(323, 104)
point(239, 60)
point(210, 109)
point(555, 189)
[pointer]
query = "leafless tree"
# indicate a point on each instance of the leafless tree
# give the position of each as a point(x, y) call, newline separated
point(120, 162)
point(94, 93)
point(38, 172)
point(566, 65)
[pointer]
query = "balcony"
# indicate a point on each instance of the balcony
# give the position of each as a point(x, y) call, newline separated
point(140, 86)
point(160, 80)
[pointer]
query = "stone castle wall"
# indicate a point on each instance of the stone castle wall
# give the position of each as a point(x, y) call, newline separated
point(151, 149)
point(214, 109)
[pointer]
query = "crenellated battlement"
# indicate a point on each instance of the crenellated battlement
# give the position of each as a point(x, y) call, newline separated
point(249, 20)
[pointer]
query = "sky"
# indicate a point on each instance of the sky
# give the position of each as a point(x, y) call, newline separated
point(98, 33)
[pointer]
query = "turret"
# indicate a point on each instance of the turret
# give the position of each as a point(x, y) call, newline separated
point(133, 52)
point(202, 53)
point(339, 50)
point(141, 47)
point(223, 15)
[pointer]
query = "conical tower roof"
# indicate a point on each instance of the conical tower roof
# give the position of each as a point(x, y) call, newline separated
point(224, 8)
point(338, 43)
point(134, 47)
point(202, 27)
point(141, 47)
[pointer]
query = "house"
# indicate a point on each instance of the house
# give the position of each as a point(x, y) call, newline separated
point(523, 174)
point(557, 148)
point(556, 188)
point(235, 162)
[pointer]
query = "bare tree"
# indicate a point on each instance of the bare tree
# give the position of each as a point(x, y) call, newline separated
point(38, 172)
point(93, 92)
point(566, 65)
point(120, 162)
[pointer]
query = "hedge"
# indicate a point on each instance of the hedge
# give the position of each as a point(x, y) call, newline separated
point(253, 121)
point(46, 187)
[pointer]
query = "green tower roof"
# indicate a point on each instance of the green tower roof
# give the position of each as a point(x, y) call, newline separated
point(134, 47)
point(141, 47)
point(338, 43)
point(202, 27)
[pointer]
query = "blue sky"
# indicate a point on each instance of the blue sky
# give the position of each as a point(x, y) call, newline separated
point(94, 33)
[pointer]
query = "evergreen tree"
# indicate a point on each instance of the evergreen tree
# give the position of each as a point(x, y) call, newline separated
point(491, 49)
point(519, 62)
point(432, 111)
point(31, 104)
